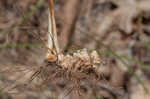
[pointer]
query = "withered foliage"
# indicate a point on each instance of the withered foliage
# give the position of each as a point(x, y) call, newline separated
point(75, 67)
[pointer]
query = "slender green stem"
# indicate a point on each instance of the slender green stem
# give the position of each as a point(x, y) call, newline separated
point(130, 69)
point(26, 18)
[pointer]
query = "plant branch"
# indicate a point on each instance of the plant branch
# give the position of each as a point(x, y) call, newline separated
point(52, 34)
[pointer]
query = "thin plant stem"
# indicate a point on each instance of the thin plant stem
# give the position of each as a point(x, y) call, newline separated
point(26, 18)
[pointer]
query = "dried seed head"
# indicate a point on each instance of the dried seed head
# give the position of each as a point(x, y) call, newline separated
point(66, 61)
point(80, 60)
point(82, 56)
point(95, 58)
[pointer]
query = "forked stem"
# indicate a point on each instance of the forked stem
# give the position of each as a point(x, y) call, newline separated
point(52, 34)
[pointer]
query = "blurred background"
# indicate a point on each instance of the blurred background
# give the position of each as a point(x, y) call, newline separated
point(119, 30)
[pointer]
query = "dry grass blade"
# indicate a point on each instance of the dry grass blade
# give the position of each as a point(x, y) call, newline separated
point(52, 35)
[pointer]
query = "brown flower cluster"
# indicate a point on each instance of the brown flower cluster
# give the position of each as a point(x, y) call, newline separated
point(80, 61)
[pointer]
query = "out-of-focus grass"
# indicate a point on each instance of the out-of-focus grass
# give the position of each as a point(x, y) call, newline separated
point(26, 17)
point(147, 44)
point(97, 97)
point(123, 58)
point(130, 69)
point(138, 62)
point(20, 45)
point(3, 96)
